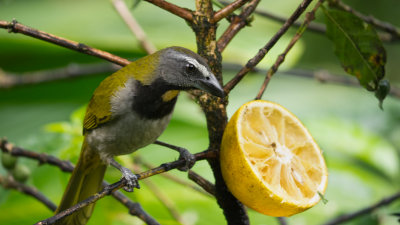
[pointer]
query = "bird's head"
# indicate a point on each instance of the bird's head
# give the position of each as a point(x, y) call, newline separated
point(183, 69)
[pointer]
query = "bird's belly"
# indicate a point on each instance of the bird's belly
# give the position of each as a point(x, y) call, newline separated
point(126, 134)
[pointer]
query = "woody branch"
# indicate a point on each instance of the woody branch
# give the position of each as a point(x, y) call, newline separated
point(264, 50)
point(15, 27)
point(66, 166)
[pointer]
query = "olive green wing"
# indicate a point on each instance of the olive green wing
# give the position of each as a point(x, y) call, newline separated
point(99, 109)
point(98, 112)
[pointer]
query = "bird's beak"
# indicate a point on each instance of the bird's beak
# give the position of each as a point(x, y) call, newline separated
point(211, 86)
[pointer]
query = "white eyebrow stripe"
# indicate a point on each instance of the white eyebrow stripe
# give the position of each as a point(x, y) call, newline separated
point(199, 66)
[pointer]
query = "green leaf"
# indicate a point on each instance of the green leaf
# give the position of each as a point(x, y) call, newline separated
point(357, 46)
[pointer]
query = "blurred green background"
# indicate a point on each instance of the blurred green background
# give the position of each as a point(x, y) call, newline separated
point(361, 143)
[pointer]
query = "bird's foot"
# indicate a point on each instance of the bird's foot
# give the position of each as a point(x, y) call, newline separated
point(131, 179)
point(189, 158)
point(127, 175)
point(184, 154)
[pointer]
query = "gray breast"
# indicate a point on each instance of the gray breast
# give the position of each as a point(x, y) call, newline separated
point(126, 134)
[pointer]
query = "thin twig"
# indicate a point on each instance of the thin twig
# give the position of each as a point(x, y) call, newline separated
point(370, 19)
point(227, 10)
point(366, 210)
point(15, 27)
point(263, 51)
point(237, 23)
point(321, 28)
point(174, 9)
point(202, 182)
point(325, 77)
point(173, 147)
point(92, 199)
point(134, 208)
point(322, 76)
point(169, 205)
point(133, 25)
point(313, 26)
point(66, 166)
point(309, 17)
point(107, 190)
point(42, 158)
point(182, 182)
point(317, 27)
point(10, 80)
point(8, 182)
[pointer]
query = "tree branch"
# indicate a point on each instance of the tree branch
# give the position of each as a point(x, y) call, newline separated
point(109, 189)
point(313, 26)
point(174, 9)
point(168, 204)
point(369, 209)
point(42, 158)
point(237, 23)
point(133, 25)
point(135, 209)
point(8, 182)
point(309, 17)
point(227, 10)
point(214, 109)
point(15, 27)
point(202, 182)
point(106, 191)
point(318, 27)
point(263, 51)
point(139, 160)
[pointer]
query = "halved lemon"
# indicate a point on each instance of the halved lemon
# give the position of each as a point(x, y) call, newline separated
point(270, 162)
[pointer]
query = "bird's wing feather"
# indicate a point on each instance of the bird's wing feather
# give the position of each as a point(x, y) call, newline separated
point(99, 108)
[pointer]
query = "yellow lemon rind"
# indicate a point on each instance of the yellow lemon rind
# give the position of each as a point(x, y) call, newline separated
point(250, 189)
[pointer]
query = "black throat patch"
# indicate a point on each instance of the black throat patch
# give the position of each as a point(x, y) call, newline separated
point(148, 101)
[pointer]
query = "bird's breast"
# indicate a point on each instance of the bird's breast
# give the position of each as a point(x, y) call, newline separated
point(126, 134)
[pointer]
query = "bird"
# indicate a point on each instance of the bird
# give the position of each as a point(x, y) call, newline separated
point(127, 111)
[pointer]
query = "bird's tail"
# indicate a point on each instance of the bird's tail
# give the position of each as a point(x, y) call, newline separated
point(86, 180)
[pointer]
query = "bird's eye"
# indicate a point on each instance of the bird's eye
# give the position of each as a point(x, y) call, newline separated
point(190, 68)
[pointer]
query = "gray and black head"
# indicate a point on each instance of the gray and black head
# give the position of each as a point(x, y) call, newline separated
point(184, 70)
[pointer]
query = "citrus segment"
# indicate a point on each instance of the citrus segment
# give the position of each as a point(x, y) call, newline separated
point(270, 161)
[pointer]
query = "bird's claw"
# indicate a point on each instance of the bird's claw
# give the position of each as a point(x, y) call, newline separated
point(131, 180)
point(189, 158)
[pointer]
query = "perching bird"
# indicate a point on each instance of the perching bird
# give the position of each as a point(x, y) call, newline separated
point(129, 110)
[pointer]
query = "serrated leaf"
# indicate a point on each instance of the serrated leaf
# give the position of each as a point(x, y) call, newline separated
point(357, 46)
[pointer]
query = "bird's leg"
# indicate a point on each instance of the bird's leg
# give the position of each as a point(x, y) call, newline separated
point(184, 154)
point(131, 179)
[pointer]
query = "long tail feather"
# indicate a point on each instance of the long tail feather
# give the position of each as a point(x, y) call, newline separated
point(86, 180)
